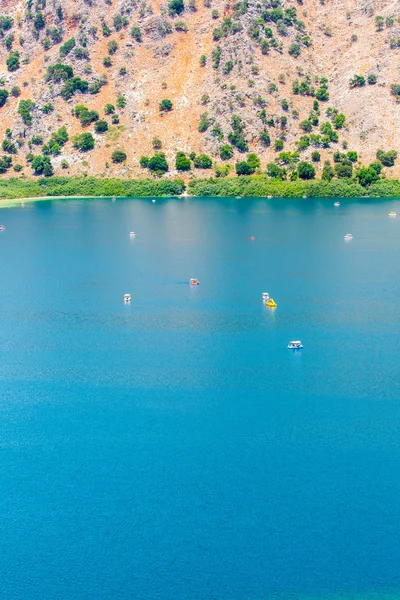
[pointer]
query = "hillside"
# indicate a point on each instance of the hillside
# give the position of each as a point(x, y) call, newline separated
point(257, 77)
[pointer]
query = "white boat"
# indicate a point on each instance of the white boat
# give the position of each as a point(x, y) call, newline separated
point(295, 345)
point(132, 234)
point(153, 201)
point(392, 214)
point(348, 237)
point(113, 198)
point(2, 228)
point(336, 204)
point(265, 296)
point(194, 282)
point(127, 298)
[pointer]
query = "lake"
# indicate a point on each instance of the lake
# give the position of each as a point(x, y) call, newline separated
point(173, 448)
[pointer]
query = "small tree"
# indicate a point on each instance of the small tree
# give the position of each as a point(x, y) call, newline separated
point(243, 168)
point(12, 61)
point(109, 109)
point(165, 105)
point(357, 81)
point(83, 141)
point(41, 165)
point(3, 96)
point(156, 143)
point(305, 170)
point(315, 156)
point(118, 156)
point(226, 152)
point(182, 162)
point(372, 79)
point(158, 163)
point(136, 34)
point(203, 60)
point(202, 161)
point(176, 7)
point(121, 101)
point(101, 126)
point(387, 158)
point(278, 145)
point(366, 175)
point(294, 50)
point(112, 47)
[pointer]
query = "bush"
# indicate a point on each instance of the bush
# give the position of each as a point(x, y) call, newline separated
point(109, 109)
point(73, 85)
point(274, 171)
point(202, 161)
point(294, 50)
point(165, 105)
point(37, 140)
point(344, 170)
point(112, 47)
point(107, 62)
point(205, 122)
point(226, 152)
point(176, 7)
point(25, 108)
point(5, 163)
point(59, 72)
point(67, 47)
point(182, 162)
point(305, 170)
point(136, 34)
point(203, 60)
point(158, 163)
point(12, 61)
point(315, 156)
point(41, 165)
point(305, 126)
point(156, 143)
point(18, 168)
point(144, 162)
point(83, 141)
point(243, 168)
point(278, 145)
point(101, 126)
point(387, 158)
point(357, 81)
point(352, 156)
point(395, 91)
point(366, 175)
point(39, 21)
point(115, 119)
point(253, 161)
point(322, 94)
point(372, 79)
point(15, 91)
point(9, 146)
point(339, 120)
point(3, 96)
point(118, 156)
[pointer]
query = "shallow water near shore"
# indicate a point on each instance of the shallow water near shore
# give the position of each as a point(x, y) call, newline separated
point(174, 448)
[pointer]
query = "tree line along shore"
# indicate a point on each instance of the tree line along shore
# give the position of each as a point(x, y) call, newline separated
point(246, 186)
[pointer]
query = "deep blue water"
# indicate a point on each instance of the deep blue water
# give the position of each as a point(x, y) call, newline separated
point(174, 449)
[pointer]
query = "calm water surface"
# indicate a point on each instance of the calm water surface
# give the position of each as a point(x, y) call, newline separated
point(174, 449)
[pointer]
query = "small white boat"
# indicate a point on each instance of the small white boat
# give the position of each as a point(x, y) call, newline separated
point(127, 298)
point(194, 282)
point(265, 296)
point(336, 204)
point(2, 228)
point(269, 197)
point(154, 201)
point(392, 214)
point(348, 237)
point(132, 234)
point(295, 345)
point(304, 196)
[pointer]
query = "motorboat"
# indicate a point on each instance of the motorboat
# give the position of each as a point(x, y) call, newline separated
point(348, 237)
point(194, 282)
point(2, 228)
point(154, 201)
point(132, 234)
point(336, 204)
point(392, 214)
point(295, 345)
point(271, 303)
point(252, 238)
point(114, 198)
point(265, 296)
point(127, 298)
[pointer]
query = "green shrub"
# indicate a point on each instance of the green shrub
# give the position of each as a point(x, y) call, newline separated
point(352, 156)
point(18, 168)
point(118, 156)
point(115, 119)
point(3, 96)
point(41, 165)
point(176, 7)
point(12, 61)
point(15, 91)
point(136, 33)
point(316, 156)
point(395, 91)
point(274, 171)
point(67, 47)
point(344, 170)
point(339, 120)
point(294, 50)
point(278, 145)
point(203, 60)
point(109, 109)
point(322, 94)
point(366, 175)
point(5, 163)
point(306, 126)
point(156, 143)
point(387, 158)
point(265, 138)
point(216, 56)
point(9, 146)
point(107, 62)
point(144, 161)
point(226, 152)
point(37, 140)
point(25, 108)
point(357, 81)
point(243, 168)
point(76, 84)
point(202, 161)
point(121, 101)
point(165, 105)
point(83, 141)
point(101, 126)
point(305, 170)
point(59, 72)
point(205, 122)
point(112, 47)
point(158, 163)
point(182, 162)
point(372, 79)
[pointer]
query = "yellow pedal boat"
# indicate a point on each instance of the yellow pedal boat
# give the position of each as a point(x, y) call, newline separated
point(271, 302)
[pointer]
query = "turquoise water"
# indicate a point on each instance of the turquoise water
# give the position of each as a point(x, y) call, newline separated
point(173, 448)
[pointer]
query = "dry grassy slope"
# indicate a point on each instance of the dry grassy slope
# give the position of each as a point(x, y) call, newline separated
point(372, 114)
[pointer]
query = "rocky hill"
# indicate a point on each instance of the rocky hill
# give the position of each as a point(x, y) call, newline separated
point(213, 77)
